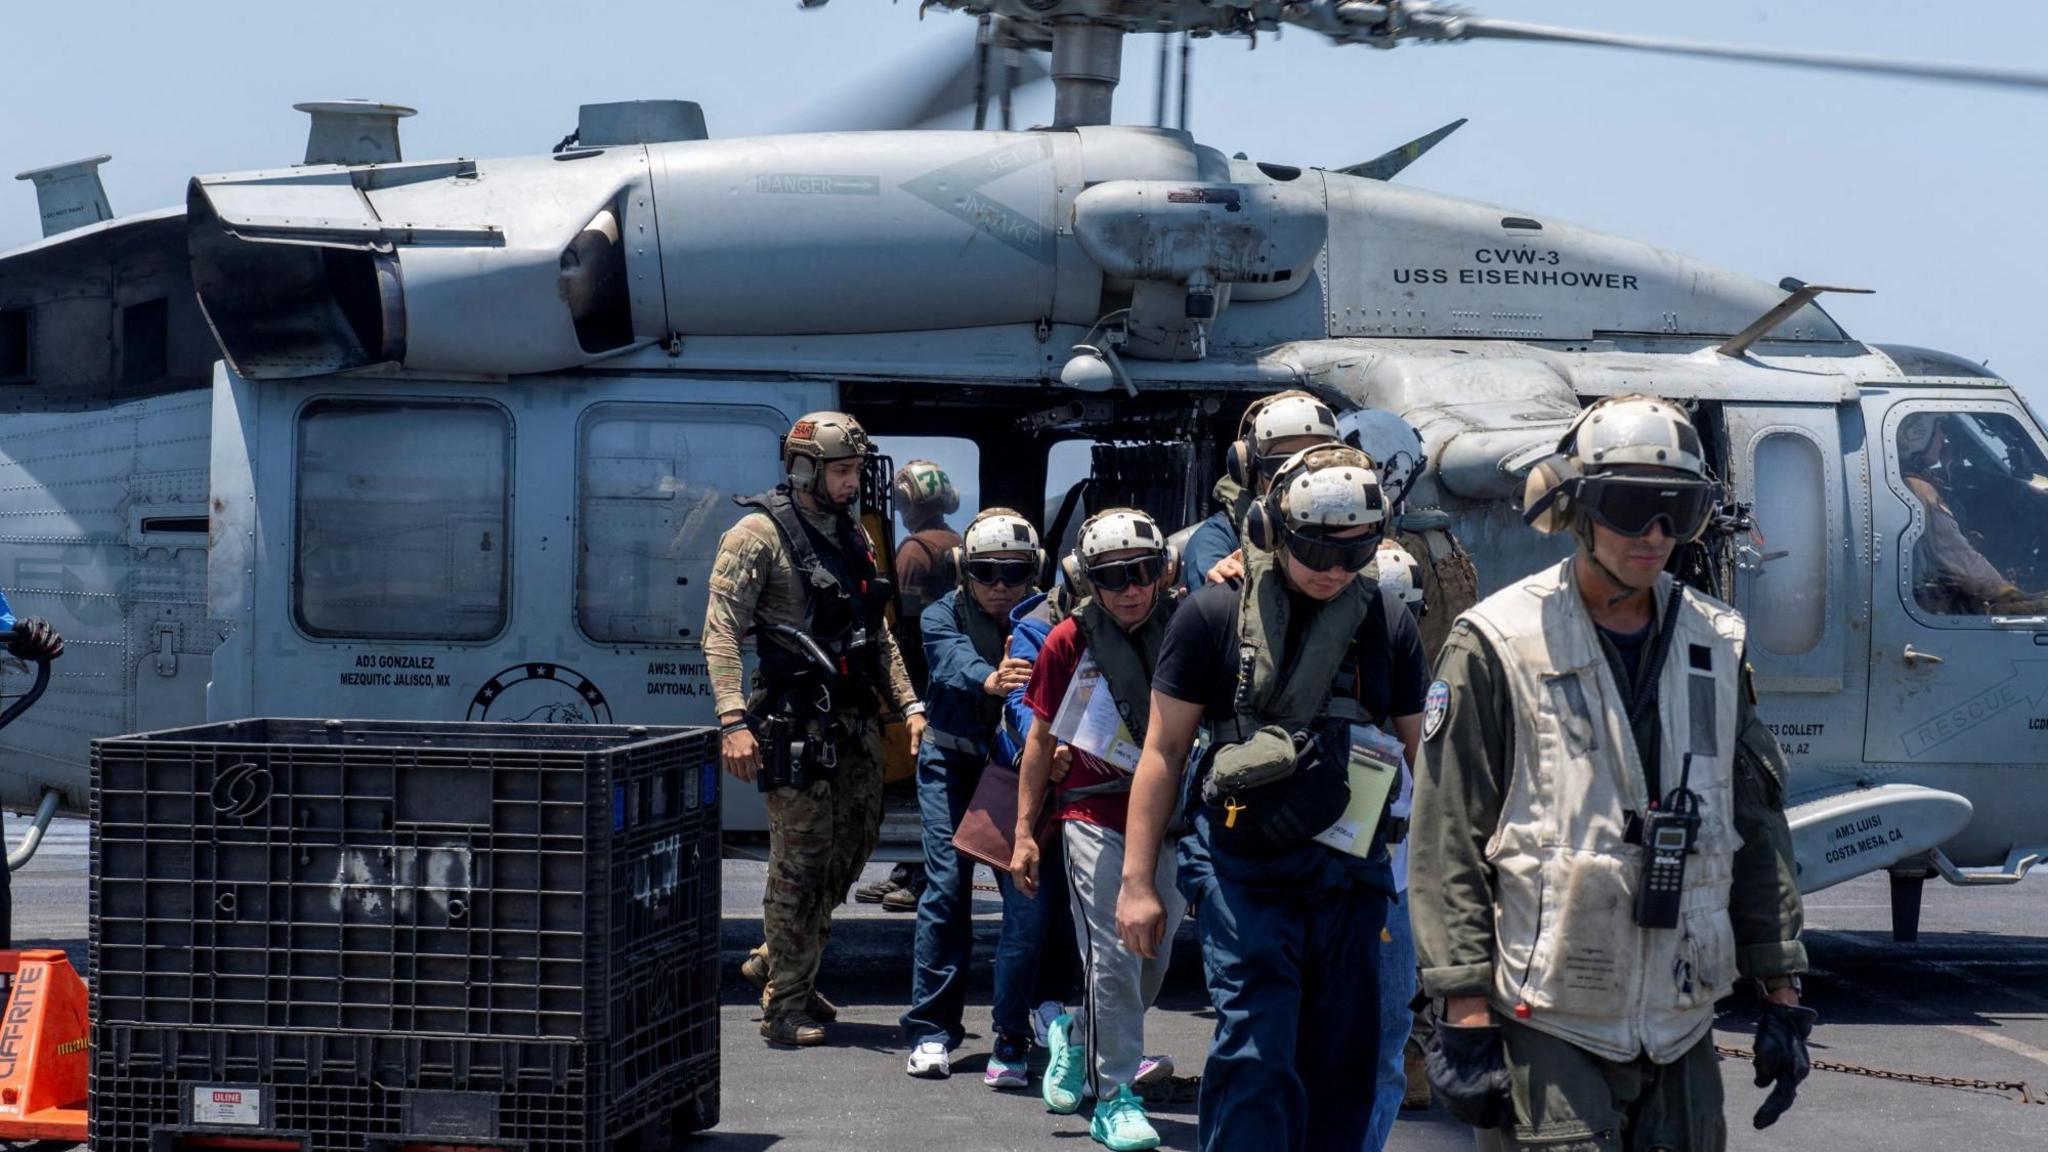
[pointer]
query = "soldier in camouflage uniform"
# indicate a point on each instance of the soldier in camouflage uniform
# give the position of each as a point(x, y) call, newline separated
point(800, 561)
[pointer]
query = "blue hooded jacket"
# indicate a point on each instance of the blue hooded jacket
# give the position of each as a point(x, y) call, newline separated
point(1027, 635)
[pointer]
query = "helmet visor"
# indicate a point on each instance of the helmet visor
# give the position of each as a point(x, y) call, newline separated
point(1323, 554)
point(1118, 575)
point(1630, 505)
point(994, 572)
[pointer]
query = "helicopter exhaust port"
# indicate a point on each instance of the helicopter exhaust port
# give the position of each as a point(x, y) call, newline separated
point(436, 266)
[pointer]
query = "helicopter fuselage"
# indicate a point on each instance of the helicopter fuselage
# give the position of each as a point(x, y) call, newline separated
point(479, 423)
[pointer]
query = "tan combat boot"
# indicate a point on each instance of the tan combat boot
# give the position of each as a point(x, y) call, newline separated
point(1417, 1094)
point(755, 967)
point(819, 1008)
point(794, 1029)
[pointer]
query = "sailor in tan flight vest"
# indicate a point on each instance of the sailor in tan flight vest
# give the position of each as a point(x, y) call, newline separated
point(1599, 818)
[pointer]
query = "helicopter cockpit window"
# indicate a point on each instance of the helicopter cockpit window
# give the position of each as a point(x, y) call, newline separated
point(654, 493)
point(1980, 545)
point(402, 509)
point(1788, 610)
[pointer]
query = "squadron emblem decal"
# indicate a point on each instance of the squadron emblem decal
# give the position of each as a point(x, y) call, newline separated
point(540, 694)
point(1435, 706)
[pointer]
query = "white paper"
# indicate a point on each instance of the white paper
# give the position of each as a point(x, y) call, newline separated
point(1352, 833)
point(227, 1106)
point(1089, 721)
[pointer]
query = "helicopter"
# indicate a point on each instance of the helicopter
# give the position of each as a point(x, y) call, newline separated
point(311, 458)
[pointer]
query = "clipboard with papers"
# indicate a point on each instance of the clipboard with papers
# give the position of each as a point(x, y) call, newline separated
point(1089, 721)
point(1375, 767)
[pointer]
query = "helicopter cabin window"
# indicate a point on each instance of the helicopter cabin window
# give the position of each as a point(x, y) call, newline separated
point(654, 493)
point(1788, 610)
point(402, 510)
point(1979, 539)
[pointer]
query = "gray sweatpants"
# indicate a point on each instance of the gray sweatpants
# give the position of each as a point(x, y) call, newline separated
point(1121, 984)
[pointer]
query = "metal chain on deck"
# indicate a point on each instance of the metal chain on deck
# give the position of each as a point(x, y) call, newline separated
point(2023, 1094)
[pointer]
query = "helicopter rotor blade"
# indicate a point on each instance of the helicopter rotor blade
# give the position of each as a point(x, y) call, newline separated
point(950, 79)
point(1486, 28)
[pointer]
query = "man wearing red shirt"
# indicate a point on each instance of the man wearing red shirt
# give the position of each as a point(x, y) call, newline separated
point(1121, 565)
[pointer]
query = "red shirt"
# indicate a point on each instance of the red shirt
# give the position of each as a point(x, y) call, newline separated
point(1057, 659)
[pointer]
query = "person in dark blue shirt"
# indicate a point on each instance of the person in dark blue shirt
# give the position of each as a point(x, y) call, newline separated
point(1273, 429)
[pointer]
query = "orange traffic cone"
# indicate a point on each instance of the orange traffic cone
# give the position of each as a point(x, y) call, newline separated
point(45, 1048)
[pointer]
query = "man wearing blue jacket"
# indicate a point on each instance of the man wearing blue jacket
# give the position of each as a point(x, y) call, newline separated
point(964, 642)
point(1273, 428)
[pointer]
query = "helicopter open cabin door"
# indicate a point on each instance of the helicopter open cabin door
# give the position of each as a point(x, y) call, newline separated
point(1959, 639)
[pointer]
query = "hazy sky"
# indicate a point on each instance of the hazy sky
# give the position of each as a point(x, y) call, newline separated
point(1937, 197)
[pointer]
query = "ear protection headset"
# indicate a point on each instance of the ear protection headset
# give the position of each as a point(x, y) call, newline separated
point(1021, 537)
point(1266, 521)
point(1546, 490)
point(1076, 573)
point(1283, 414)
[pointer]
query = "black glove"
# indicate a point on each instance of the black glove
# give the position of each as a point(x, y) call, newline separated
point(1468, 1068)
point(1781, 1056)
point(34, 639)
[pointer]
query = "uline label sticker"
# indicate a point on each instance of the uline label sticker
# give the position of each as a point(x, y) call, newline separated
point(242, 1106)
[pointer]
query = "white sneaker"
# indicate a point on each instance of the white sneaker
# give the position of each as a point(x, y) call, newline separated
point(1154, 1070)
point(1042, 1018)
point(929, 1061)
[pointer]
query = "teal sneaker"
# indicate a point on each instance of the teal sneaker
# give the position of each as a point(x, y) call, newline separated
point(1121, 1125)
point(1066, 1066)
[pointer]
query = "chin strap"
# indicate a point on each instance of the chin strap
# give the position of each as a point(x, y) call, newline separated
point(1608, 575)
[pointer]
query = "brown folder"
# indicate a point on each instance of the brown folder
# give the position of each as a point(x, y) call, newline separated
point(988, 829)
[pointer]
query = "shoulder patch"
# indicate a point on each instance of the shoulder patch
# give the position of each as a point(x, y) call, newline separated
point(1435, 706)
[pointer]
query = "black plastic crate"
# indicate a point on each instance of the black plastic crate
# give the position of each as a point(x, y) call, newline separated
point(157, 1088)
point(476, 880)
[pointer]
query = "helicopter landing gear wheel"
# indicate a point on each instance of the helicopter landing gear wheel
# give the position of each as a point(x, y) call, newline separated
point(1907, 885)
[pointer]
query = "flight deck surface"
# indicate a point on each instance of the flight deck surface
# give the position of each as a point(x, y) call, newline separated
point(1969, 1001)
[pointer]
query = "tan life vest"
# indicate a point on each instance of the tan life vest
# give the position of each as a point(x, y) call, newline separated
point(1566, 944)
point(1127, 659)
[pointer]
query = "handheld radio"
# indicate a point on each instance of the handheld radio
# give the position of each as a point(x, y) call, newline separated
point(1669, 836)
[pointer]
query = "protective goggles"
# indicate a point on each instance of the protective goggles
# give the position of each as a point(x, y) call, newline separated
point(1630, 505)
point(1118, 575)
point(1328, 555)
point(1271, 462)
point(993, 572)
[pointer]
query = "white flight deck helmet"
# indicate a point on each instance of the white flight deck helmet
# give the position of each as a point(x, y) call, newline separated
point(1393, 444)
point(1326, 489)
point(1282, 417)
point(994, 531)
point(1118, 530)
point(1611, 433)
point(1401, 575)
